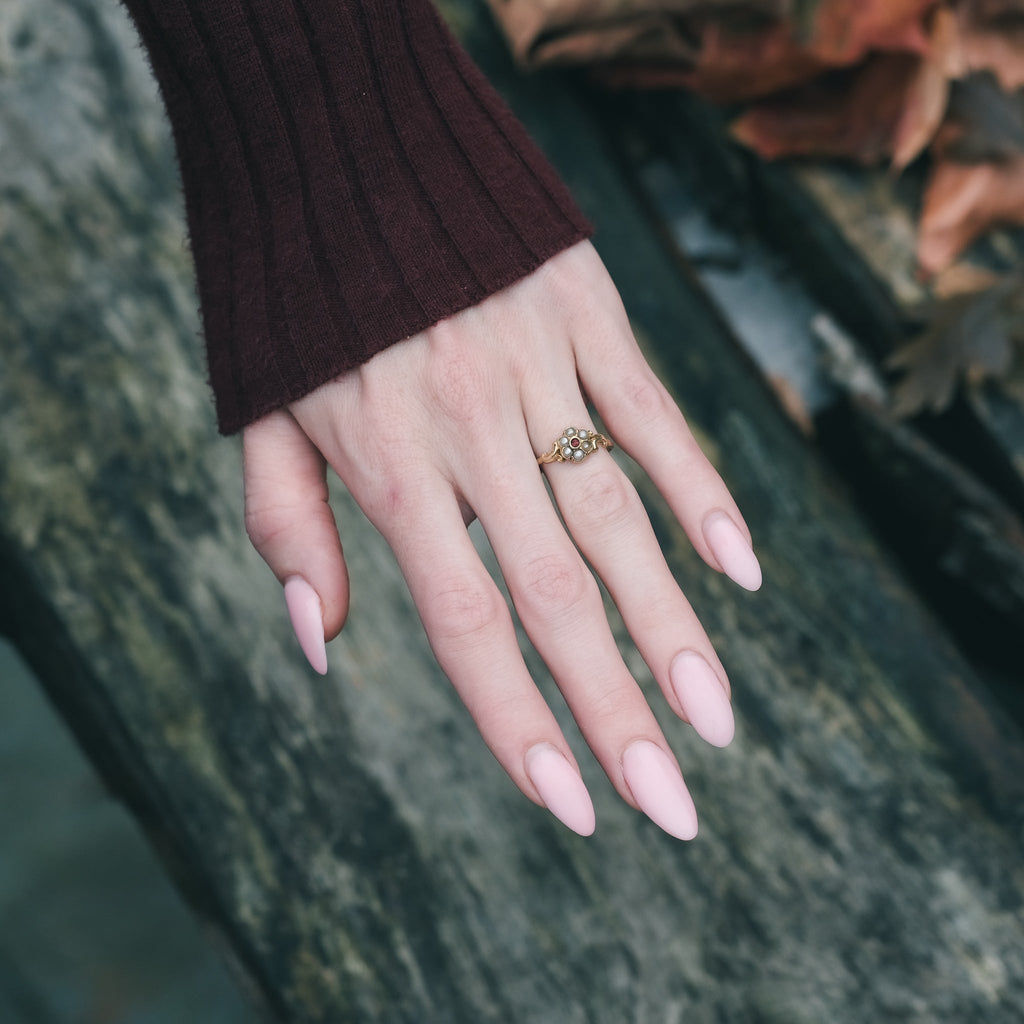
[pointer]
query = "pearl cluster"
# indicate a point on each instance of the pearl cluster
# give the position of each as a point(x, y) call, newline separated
point(575, 445)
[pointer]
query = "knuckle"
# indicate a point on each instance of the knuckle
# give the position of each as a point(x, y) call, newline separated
point(552, 585)
point(495, 709)
point(645, 397)
point(264, 523)
point(393, 491)
point(392, 500)
point(565, 292)
point(602, 501)
point(611, 705)
point(462, 610)
point(456, 383)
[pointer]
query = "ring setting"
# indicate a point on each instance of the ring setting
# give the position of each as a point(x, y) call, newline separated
point(574, 445)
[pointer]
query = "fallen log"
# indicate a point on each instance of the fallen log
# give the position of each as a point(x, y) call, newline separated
point(348, 841)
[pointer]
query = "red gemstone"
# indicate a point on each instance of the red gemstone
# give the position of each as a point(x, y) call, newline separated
point(574, 443)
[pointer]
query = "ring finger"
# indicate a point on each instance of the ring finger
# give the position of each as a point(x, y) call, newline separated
point(608, 521)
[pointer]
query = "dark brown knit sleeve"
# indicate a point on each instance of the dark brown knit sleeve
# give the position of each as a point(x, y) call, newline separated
point(350, 179)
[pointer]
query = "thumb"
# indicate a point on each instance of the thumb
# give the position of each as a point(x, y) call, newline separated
point(291, 525)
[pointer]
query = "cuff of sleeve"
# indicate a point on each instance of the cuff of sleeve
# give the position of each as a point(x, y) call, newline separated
point(350, 180)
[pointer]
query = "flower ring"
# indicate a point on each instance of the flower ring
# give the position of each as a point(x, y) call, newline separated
point(575, 445)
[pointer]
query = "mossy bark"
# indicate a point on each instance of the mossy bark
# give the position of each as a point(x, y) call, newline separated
point(349, 839)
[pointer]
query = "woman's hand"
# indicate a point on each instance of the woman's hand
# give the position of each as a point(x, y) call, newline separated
point(447, 426)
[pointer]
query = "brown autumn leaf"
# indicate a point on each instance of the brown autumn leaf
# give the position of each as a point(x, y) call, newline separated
point(548, 32)
point(727, 50)
point(926, 97)
point(970, 336)
point(854, 114)
point(889, 106)
point(996, 46)
point(961, 203)
point(864, 79)
point(740, 66)
point(734, 66)
point(845, 31)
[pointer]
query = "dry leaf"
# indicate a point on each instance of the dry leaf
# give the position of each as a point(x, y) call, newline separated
point(970, 336)
point(890, 106)
point(660, 33)
point(927, 94)
point(998, 49)
point(962, 202)
point(853, 114)
point(845, 31)
point(736, 66)
point(863, 79)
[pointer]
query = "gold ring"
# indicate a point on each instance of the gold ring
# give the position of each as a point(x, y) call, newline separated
point(574, 445)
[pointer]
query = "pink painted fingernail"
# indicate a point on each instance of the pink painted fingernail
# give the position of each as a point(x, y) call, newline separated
point(561, 788)
point(703, 698)
point(732, 551)
point(307, 621)
point(658, 788)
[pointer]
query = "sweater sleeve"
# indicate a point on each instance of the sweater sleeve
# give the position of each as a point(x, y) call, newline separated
point(350, 179)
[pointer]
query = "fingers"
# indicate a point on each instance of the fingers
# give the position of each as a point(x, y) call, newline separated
point(606, 517)
point(290, 523)
point(559, 604)
point(649, 426)
point(644, 421)
point(473, 638)
point(425, 434)
point(607, 520)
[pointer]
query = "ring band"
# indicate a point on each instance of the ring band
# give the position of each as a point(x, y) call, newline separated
point(574, 445)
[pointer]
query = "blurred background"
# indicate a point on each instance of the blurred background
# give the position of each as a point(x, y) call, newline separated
point(91, 929)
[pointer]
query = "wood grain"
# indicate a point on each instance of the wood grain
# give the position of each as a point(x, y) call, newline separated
point(350, 840)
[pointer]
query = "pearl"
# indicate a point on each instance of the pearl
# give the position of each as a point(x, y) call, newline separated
point(577, 455)
point(566, 453)
point(571, 432)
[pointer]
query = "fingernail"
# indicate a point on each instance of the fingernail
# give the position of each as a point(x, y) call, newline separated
point(561, 788)
point(658, 788)
point(732, 551)
point(703, 698)
point(307, 621)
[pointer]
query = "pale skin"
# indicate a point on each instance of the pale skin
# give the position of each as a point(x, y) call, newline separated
point(411, 434)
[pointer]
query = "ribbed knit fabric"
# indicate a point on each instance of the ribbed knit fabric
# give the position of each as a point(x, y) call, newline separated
point(350, 179)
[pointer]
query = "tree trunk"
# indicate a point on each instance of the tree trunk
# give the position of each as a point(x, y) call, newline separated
point(349, 839)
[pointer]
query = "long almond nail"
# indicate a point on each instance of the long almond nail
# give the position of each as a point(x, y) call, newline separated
point(732, 551)
point(561, 788)
point(658, 788)
point(703, 698)
point(307, 621)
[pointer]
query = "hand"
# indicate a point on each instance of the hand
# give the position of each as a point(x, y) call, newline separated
point(447, 426)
